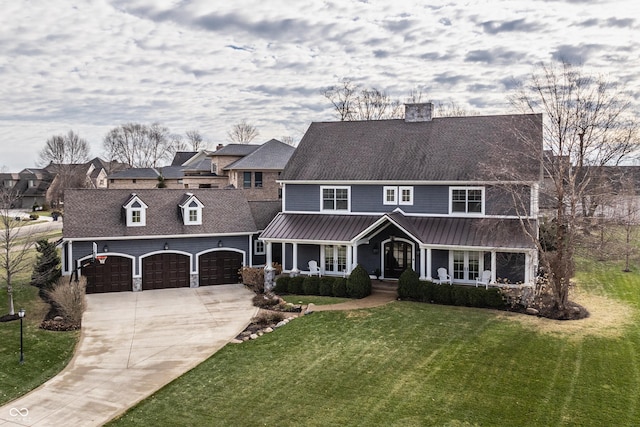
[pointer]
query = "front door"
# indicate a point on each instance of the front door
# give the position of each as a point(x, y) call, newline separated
point(397, 258)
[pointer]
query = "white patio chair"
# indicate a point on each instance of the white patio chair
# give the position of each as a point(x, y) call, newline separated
point(484, 279)
point(314, 270)
point(443, 277)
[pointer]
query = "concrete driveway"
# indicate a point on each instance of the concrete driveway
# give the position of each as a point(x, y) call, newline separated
point(131, 345)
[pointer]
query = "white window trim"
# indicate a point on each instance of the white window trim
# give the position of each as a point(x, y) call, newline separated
point(142, 209)
point(335, 187)
point(256, 251)
point(410, 201)
point(186, 209)
point(384, 195)
point(482, 202)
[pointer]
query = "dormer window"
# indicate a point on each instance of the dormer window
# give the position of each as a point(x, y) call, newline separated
point(136, 212)
point(191, 209)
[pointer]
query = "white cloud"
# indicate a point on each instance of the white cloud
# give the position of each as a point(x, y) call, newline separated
point(92, 65)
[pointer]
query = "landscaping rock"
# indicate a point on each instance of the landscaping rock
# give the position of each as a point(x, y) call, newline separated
point(280, 323)
point(253, 336)
point(58, 319)
point(236, 341)
point(310, 308)
point(269, 329)
point(532, 311)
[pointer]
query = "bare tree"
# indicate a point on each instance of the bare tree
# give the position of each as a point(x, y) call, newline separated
point(354, 103)
point(62, 155)
point(587, 122)
point(243, 132)
point(139, 145)
point(194, 137)
point(288, 139)
point(15, 242)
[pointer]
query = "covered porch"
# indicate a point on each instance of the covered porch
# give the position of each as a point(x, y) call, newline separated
point(389, 244)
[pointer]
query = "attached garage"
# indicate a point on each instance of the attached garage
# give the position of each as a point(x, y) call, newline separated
point(166, 270)
point(115, 275)
point(219, 267)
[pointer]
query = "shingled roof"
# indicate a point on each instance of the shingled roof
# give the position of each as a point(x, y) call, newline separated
point(273, 154)
point(442, 149)
point(98, 213)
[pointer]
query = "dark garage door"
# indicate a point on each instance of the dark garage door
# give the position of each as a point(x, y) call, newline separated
point(112, 276)
point(165, 271)
point(220, 267)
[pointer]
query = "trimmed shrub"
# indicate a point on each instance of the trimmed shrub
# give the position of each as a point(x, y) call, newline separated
point(282, 285)
point(340, 287)
point(426, 291)
point(409, 285)
point(326, 286)
point(311, 285)
point(443, 294)
point(493, 299)
point(359, 283)
point(295, 285)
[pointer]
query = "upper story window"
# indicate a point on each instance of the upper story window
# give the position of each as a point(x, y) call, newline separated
point(335, 198)
point(191, 210)
point(246, 180)
point(467, 200)
point(257, 179)
point(32, 183)
point(402, 195)
point(136, 212)
point(8, 183)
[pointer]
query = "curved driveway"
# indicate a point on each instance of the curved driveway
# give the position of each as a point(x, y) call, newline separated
point(131, 345)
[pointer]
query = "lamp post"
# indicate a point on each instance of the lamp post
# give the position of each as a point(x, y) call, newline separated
point(21, 313)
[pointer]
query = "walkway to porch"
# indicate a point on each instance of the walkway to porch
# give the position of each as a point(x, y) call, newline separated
point(382, 292)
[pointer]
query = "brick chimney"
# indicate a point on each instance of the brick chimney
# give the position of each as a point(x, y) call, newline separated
point(418, 112)
point(219, 146)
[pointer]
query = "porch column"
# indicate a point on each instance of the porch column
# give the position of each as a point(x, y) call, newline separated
point(269, 261)
point(422, 264)
point(527, 263)
point(429, 262)
point(354, 260)
point(250, 251)
point(294, 268)
point(349, 259)
point(283, 249)
point(493, 266)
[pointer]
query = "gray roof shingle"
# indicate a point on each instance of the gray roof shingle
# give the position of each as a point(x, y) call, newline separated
point(443, 149)
point(98, 213)
point(236, 150)
point(273, 154)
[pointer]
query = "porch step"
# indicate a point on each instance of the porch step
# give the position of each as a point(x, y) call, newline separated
point(387, 287)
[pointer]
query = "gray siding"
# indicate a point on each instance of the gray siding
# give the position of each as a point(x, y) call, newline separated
point(302, 197)
point(141, 247)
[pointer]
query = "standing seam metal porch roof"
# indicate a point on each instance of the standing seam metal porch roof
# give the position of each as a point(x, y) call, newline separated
point(442, 231)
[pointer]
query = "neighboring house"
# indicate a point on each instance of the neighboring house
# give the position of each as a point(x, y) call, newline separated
point(158, 239)
point(45, 186)
point(141, 178)
point(418, 193)
point(250, 167)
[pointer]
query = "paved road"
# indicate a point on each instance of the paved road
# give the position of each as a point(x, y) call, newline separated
point(132, 344)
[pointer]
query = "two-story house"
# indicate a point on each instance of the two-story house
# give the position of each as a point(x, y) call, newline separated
point(421, 192)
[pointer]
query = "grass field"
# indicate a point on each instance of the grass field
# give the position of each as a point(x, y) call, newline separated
point(46, 352)
point(412, 364)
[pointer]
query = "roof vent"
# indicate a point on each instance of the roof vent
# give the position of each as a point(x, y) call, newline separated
point(418, 112)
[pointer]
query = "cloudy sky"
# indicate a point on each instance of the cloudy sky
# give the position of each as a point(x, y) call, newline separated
point(202, 64)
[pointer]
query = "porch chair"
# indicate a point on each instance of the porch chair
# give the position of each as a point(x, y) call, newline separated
point(485, 279)
point(314, 270)
point(443, 277)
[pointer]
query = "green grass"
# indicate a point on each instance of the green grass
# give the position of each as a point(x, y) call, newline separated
point(313, 299)
point(45, 352)
point(412, 364)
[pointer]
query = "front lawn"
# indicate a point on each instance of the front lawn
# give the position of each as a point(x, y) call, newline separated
point(313, 299)
point(45, 352)
point(418, 364)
